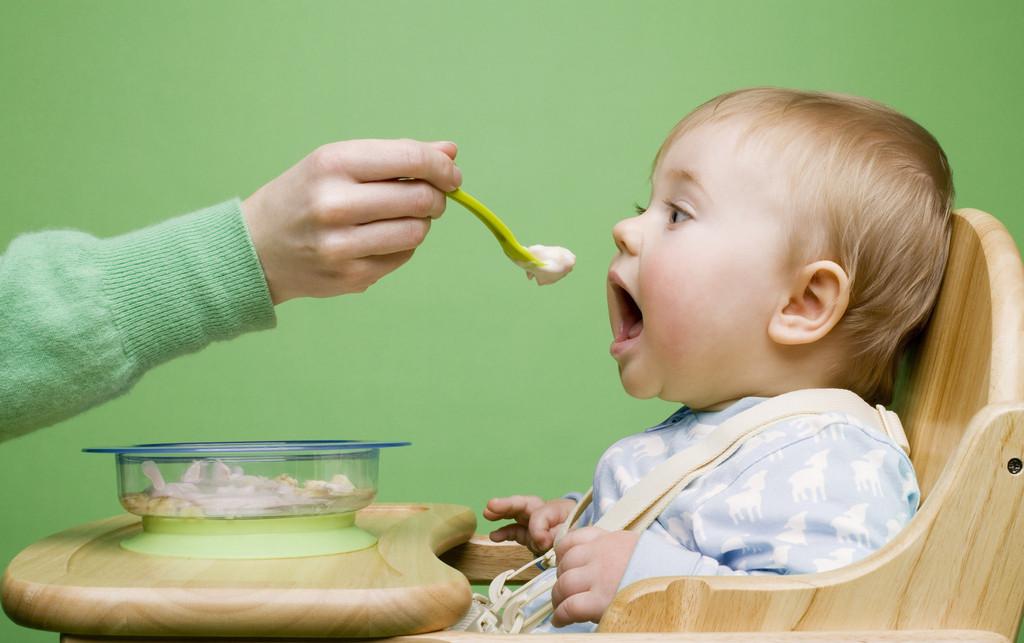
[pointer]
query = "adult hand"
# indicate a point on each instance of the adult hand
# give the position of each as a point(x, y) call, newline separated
point(536, 522)
point(348, 214)
point(591, 563)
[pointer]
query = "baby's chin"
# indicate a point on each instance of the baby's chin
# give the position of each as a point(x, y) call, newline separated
point(641, 385)
point(637, 383)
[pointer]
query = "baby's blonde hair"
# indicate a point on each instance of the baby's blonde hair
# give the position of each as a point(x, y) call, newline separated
point(882, 187)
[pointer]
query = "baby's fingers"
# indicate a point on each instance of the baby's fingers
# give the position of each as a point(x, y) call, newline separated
point(543, 527)
point(516, 508)
point(577, 608)
point(569, 583)
point(575, 538)
point(510, 532)
point(542, 539)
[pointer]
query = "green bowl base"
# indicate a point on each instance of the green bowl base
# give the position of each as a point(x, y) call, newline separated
point(249, 538)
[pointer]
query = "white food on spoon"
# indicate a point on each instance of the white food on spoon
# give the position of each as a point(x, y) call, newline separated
point(557, 262)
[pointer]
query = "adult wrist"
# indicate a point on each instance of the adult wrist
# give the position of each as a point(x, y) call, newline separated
point(177, 286)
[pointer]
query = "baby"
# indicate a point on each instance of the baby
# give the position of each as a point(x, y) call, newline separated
point(793, 240)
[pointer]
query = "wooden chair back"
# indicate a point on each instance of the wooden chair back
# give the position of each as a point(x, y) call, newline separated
point(970, 354)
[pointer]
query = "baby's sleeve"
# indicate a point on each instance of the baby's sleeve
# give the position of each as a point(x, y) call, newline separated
point(814, 503)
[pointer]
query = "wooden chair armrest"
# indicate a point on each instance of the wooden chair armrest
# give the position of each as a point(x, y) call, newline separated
point(480, 560)
point(698, 604)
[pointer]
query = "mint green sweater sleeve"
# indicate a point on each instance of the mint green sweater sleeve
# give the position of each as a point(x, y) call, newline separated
point(81, 319)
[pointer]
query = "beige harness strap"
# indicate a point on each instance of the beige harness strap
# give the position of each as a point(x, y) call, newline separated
point(642, 503)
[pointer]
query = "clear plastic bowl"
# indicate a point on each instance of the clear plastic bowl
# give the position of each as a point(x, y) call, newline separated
point(230, 480)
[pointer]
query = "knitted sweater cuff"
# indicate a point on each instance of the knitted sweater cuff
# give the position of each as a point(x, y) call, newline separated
point(179, 285)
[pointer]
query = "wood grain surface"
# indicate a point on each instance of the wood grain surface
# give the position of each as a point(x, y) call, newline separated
point(81, 581)
point(971, 355)
point(481, 560)
point(924, 636)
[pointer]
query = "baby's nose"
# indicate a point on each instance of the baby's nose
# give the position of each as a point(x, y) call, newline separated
point(627, 236)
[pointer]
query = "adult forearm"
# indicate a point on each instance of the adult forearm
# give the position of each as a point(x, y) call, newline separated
point(81, 319)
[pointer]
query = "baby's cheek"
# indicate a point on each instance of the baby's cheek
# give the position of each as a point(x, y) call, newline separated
point(679, 300)
point(670, 329)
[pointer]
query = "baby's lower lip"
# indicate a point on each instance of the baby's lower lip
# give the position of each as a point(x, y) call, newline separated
point(623, 341)
point(620, 346)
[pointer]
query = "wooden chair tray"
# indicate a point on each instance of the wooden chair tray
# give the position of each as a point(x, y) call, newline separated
point(81, 581)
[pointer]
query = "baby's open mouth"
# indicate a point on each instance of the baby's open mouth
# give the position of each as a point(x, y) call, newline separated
point(628, 318)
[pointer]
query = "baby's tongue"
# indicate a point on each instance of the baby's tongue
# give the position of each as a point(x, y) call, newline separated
point(636, 329)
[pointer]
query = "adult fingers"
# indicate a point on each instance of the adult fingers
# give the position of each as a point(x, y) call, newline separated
point(346, 204)
point(382, 160)
point(375, 267)
point(517, 508)
point(371, 239)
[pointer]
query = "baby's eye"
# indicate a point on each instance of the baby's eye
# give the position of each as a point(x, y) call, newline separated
point(639, 208)
point(678, 216)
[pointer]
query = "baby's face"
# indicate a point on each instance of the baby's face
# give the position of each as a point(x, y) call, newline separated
point(700, 272)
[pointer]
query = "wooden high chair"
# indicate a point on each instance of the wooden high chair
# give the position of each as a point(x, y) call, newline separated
point(959, 564)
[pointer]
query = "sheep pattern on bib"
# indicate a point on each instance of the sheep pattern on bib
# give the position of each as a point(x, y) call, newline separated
point(808, 494)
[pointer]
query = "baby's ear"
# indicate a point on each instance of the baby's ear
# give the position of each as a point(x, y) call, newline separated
point(815, 304)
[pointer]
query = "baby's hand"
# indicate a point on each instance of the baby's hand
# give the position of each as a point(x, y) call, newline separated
point(536, 521)
point(348, 214)
point(591, 562)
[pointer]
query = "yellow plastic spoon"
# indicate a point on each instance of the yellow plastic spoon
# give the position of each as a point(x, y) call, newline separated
point(512, 248)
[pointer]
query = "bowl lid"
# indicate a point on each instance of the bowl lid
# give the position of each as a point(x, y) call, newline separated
point(261, 446)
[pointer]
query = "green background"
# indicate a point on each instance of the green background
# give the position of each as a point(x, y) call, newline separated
point(115, 115)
